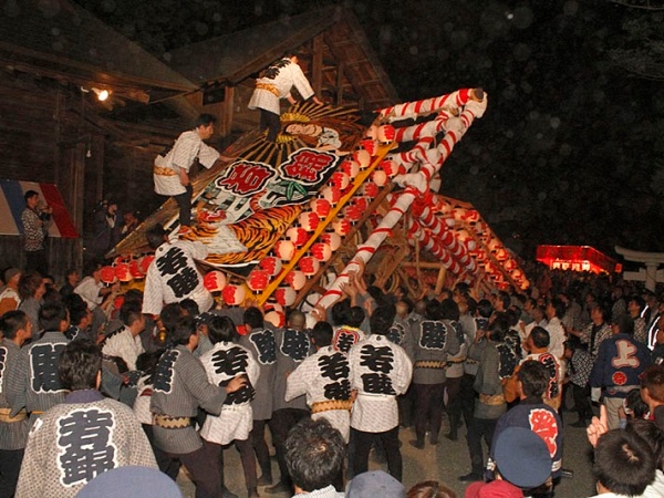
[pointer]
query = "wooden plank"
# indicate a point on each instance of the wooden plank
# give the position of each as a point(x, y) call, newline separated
point(317, 65)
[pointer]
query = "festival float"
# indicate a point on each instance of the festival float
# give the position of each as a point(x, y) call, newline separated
point(332, 196)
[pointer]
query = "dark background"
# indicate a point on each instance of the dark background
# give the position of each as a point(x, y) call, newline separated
point(570, 150)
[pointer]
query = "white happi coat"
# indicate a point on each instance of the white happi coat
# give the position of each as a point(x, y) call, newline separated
point(323, 376)
point(380, 371)
point(172, 277)
point(186, 149)
point(222, 363)
point(276, 84)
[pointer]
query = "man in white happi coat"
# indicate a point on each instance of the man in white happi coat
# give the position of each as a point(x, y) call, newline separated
point(171, 169)
point(380, 371)
point(275, 84)
point(325, 379)
point(125, 343)
point(173, 276)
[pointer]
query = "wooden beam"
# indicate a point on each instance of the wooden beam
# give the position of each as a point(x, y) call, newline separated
point(226, 124)
point(440, 281)
point(340, 92)
point(317, 65)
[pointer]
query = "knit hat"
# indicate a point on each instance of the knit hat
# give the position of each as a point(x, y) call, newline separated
point(522, 457)
point(131, 481)
point(373, 484)
point(11, 273)
point(493, 489)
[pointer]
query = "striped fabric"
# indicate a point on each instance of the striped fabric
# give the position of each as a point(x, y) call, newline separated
point(12, 204)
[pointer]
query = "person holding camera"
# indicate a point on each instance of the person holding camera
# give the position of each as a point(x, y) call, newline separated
point(36, 218)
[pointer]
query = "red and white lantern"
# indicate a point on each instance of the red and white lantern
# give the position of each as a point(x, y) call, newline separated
point(353, 212)
point(390, 168)
point(363, 158)
point(371, 146)
point(331, 194)
point(135, 269)
point(258, 280)
point(276, 318)
point(332, 239)
point(297, 235)
point(122, 272)
point(285, 296)
point(309, 221)
point(385, 134)
point(321, 251)
point(214, 281)
point(107, 275)
point(296, 279)
point(284, 249)
point(370, 189)
point(233, 295)
point(350, 167)
point(379, 177)
point(340, 180)
point(271, 265)
point(321, 207)
point(341, 226)
point(144, 263)
point(309, 265)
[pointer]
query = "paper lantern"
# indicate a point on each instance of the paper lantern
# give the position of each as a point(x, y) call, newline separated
point(309, 265)
point(385, 134)
point(363, 158)
point(135, 269)
point(501, 254)
point(257, 280)
point(350, 167)
point(331, 194)
point(285, 296)
point(309, 220)
point(233, 295)
point(371, 146)
point(321, 207)
point(379, 177)
point(341, 226)
point(296, 279)
point(361, 202)
point(118, 302)
point(390, 168)
point(353, 212)
point(271, 265)
point(144, 263)
point(321, 251)
point(284, 249)
point(370, 189)
point(340, 180)
point(297, 235)
point(107, 275)
point(276, 318)
point(122, 272)
point(332, 239)
point(214, 281)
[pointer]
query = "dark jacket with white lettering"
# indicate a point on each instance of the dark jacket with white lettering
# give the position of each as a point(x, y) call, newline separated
point(78, 439)
point(434, 339)
point(262, 344)
point(619, 362)
point(35, 384)
point(293, 346)
point(13, 435)
point(181, 386)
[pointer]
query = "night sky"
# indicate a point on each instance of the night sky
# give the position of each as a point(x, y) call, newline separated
point(570, 150)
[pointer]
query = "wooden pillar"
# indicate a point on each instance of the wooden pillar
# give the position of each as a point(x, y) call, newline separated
point(226, 124)
point(317, 65)
point(440, 282)
point(340, 84)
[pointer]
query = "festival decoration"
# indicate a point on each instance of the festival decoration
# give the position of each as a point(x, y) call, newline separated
point(122, 272)
point(258, 280)
point(284, 249)
point(285, 296)
point(321, 207)
point(321, 251)
point(309, 265)
point(214, 281)
point(296, 279)
point(233, 295)
point(308, 221)
point(271, 265)
point(107, 275)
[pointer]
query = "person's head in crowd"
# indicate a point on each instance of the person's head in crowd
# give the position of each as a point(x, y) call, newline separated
point(156, 236)
point(623, 324)
point(131, 481)
point(533, 379)
point(538, 313)
point(555, 309)
point(16, 326)
point(449, 310)
point(484, 308)
point(133, 295)
point(401, 292)
point(80, 365)
point(651, 434)
point(190, 307)
point(321, 335)
point(132, 316)
point(420, 306)
point(31, 199)
point(529, 304)
point(12, 276)
point(634, 406)
point(79, 312)
point(652, 386)
point(404, 307)
point(522, 458)
point(434, 310)
point(382, 319)
point(498, 329)
point(253, 318)
point(52, 295)
point(624, 463)
point(375, 483)
point(72, 277)
point(430, 489)
point(340, 312)
point(93, 269)
point(147, 362)
point(355, 317)
point(296, 320)
point(538, 340)
point(184, 333)
point(635, 306)
point(470, 307)
point(377, 294)
point(503, 301)
point(512, 316)
point(462, 289)
point(53, 317)
point(314, 455)
point(169, 315)
point(598, 314)
point(31, 285)
point(49, 282)
point(221, 329)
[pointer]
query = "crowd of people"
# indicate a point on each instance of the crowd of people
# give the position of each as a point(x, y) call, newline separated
point(94, 377)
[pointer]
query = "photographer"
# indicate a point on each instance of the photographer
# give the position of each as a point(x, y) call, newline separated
point(35, 218)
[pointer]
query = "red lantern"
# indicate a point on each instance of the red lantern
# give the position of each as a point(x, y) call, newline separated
point(341, 226)
point(386, 133)
point(296, 279)
point(309, 265)
point(297, 235)
point(276, 318)
point(284, 249)
point(233, 295)
point(390, 168)
point(331, 194)
point(214, 281)
point(371, 146)
point(332, 239)
point(258, 280)
point(271, 265)
point(353, 212)
point(107, 275)
point(135, 269)
point(379, 177)
point(363, 158)
point(122, 272)
point(321, 251)
point(370, 189)
point(321, 207)
point(309, 220)
point(285, 296)
point(350, 167)
point(144, 263)
point(340, 180)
